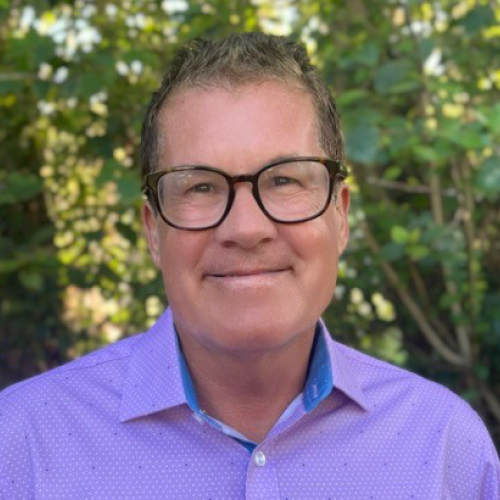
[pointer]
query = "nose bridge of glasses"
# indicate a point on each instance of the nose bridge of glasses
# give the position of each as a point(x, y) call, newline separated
point(251, 178)
point(241, 179)
point(245, 178)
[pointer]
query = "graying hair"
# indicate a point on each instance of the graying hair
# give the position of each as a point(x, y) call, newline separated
point(237, 60)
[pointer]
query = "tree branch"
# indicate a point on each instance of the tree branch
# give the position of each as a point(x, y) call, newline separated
point(426, 328)
point(16, 76)
point(491, 399)
point(462, 332)
point(424, 297)
point(470, 235)
point(407, 188)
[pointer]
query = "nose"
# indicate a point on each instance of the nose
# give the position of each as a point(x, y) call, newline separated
point(245, 225)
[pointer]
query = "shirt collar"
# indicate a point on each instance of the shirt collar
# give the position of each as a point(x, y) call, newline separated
point(329, 368)
point(153, 382)
point(158, 377)
point(344, 371)
point(319, 383)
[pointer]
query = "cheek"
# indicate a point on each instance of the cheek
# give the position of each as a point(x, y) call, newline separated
point(180, 253)
point(322, 241)
point(322, 258)
point(317, 248)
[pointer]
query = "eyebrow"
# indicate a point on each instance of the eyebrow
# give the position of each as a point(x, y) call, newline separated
point(281, 157)
point(287, 156)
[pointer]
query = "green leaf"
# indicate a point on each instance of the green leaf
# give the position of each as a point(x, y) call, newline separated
point(414, 235)
point(145, 56)
point(392, 251)
point(426, 153)
point(31, 279)
point(447, 300)
point(393, 172)
point(352, 96)
point(129, 188)
point(493, 118)
point(478, 18)
point(469, 138)
point(44, 49)
point(362, 142)
point(109, 172)
point(482, 371)
point(11, 87)
point(487, 178)
point(417, 252)
point(90, 84)
point(105, 64)
point(29, 51)
point(127, 232)
point(19, 187)
point(368, 54)
point(425, 48)
point(396, 76)
point(94, 235)
point(400, 235)
point(41, 89)
point(8, 266)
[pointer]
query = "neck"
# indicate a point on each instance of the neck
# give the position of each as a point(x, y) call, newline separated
point(248, 392)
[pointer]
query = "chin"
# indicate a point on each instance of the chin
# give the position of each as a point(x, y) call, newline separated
point(252, 332)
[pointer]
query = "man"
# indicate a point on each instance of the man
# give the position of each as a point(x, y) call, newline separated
point(238, 391)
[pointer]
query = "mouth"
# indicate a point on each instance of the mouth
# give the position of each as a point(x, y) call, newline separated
point(248, 280)
point(247, 273)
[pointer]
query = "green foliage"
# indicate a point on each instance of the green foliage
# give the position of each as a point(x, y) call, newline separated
point(418, 86)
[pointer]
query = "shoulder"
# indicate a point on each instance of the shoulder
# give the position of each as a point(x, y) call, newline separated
point(30, 408)
point(425, 406)
point(425, 423)
point(404, 394)
point(379, 378)
point(110, 359)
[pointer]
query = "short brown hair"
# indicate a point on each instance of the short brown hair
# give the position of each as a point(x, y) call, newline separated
point(236, 60)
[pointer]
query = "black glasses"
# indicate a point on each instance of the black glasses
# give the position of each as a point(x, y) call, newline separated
point(288, 191)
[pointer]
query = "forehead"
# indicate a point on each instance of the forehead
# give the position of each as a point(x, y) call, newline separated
point(254, 121)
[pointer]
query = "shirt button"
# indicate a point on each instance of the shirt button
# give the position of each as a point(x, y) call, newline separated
point(259, 459)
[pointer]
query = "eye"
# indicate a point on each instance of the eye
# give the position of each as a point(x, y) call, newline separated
point(281, 180)
point(202, 188)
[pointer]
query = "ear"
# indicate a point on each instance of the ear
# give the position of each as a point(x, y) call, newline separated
point(342, 205)
point(150, 226)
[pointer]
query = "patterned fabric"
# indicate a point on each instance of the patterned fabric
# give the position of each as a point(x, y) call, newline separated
point(318, 385)
point(116, 425)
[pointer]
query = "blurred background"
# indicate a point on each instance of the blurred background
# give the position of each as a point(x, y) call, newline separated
point(418, 86)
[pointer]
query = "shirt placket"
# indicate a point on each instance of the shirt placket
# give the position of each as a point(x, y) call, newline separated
point(261, 479)
point(262, 475)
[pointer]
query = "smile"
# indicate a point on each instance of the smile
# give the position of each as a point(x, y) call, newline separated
point(247, 273)
point(248, 279)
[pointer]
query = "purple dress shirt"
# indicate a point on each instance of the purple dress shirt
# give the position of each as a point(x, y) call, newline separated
point(116, 424)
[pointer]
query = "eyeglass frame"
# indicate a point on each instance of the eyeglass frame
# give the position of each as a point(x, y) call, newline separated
point(336, 171)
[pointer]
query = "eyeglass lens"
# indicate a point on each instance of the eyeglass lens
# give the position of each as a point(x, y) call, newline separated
point(197, 198)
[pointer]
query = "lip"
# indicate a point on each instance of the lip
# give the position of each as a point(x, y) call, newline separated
point(244, 273)
point(247, 280)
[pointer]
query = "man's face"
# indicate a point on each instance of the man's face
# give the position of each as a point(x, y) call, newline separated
point(250, 284)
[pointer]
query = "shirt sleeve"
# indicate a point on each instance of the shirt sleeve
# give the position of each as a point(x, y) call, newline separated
point(16, 477)
point(470, 464)
point(489, 475)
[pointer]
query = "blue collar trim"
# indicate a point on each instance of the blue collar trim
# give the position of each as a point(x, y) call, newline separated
point(318, 386)
point(187, 381)
point(319, 383)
